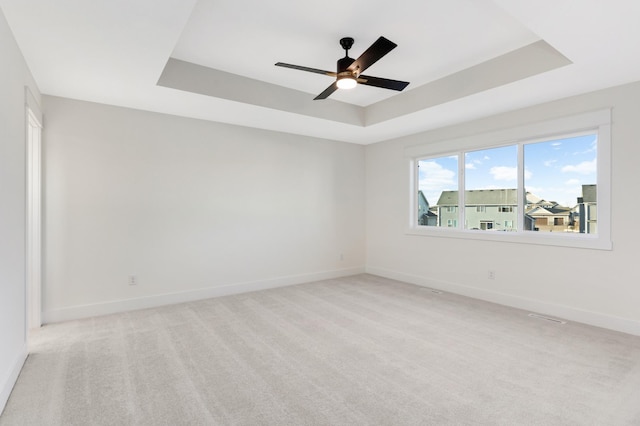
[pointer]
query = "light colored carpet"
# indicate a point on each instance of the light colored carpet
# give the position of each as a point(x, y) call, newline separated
point(361, 350)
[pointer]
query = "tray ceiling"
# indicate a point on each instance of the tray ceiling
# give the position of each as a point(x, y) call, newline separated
point(214, 60)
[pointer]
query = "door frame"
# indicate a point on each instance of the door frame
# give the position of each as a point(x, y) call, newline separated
point(33, 290)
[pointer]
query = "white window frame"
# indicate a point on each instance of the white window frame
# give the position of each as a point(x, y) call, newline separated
point(598, 122)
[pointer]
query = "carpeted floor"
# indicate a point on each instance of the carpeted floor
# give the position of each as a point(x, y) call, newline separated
point(361, 350)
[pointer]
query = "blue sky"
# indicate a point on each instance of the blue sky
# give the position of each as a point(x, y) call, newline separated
point(555, 170)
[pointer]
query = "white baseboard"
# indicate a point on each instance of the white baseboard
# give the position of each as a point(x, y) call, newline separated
point(115, 306)
point(560, 311)
point(9, 378)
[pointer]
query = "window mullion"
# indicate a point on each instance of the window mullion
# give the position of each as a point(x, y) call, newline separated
point(461, 191)
point(522, 191)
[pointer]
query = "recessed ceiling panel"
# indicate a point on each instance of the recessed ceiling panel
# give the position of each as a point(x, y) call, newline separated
point(434, 38)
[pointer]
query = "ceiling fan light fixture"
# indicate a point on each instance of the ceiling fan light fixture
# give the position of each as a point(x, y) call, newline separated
point(346, 81)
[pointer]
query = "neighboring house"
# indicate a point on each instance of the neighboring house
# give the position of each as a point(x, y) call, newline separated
point(588, 209)
point(486, 209)
point(426, 217)
point(552, 217)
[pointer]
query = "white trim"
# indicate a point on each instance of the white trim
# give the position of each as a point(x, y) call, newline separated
point(462, 196)
point(597, 319)
point(34, 219)
point(521, 193)
point(529, 132)
point(581, 241)
point(31, 103)
point(10, 377)
point(124, 305)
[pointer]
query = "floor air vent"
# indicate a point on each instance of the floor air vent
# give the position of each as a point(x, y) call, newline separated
point(547, 318)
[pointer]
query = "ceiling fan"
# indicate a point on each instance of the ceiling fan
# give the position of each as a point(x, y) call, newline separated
point(349, 70)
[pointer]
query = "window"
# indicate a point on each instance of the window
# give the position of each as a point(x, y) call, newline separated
point(543, 190)
point(561, 173)
point(480, 177)
point(438, 181)
point(486, 225)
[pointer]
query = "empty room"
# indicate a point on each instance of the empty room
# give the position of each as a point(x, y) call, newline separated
point(339, 213)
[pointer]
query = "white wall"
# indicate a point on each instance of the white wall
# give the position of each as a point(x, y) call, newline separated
point(14, 76)
point(197, 209)
point(192, 208)
point(592, 286)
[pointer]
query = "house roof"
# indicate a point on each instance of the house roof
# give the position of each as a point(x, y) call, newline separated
point(486, 197)
point(551, 211)
point(422, 197)
point(214, 60)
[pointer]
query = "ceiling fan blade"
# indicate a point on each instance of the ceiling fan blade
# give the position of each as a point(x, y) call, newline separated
point(385, 83)
point(301, 68)
point(377, 50)
point(328, 91)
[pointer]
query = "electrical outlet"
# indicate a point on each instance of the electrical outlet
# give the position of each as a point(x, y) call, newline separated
point(491, 275)
point(133, 280)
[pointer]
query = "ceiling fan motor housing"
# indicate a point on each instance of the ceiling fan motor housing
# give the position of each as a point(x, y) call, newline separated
point(343, 64)
point(346, 79)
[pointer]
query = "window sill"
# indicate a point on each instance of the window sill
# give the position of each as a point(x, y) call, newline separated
point(582, 241)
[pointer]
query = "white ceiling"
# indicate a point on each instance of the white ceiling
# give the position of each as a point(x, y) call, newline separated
point(115, 52)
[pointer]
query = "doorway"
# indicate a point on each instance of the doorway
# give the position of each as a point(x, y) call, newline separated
point(34, 214)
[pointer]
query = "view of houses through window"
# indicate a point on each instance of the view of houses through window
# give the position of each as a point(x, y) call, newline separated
point(556, 179)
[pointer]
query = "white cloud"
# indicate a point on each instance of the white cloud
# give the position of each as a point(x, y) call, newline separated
point(433, 179)
point(435, 171)
point(504, 173)
point(507, 173)
point(572, 182)
point(584, 168)
point(535, 190)
point(470, 166)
